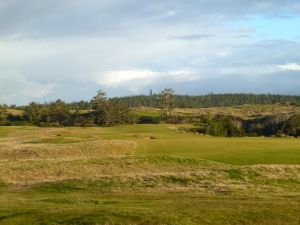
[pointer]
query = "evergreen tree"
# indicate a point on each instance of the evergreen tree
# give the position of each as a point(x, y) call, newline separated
point(58, 113)
point(3, 113)
point(102, 110)
point(33, 113)
point(167, 100)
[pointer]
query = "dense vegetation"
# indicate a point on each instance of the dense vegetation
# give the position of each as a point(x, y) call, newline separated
point(190, 101)
point(103, 111)
point(277, 125)
point(210, 100)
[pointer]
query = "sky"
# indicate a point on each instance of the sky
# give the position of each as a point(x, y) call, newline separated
point(69, 49)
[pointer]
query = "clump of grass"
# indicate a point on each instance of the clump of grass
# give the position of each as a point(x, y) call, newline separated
point(177, 179)
point(3, 184)
point(58, 187)
point(59, 201)
point(235, 174)
point(103, 202)
point(56, 140)
point(289, 181)
point(172, 160)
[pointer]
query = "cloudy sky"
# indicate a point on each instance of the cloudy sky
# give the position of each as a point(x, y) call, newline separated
point(69, 49)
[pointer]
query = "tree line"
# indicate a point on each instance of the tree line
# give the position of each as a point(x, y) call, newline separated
point(104, 111)
point(187, 101)
point(198, 101)
point(101, 111)
point(229, 126)
point(209, 100)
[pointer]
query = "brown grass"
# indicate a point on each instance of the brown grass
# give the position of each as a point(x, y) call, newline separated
point(243, 111)
point(30, 156)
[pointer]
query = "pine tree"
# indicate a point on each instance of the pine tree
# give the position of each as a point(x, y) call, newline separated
point(167, 100)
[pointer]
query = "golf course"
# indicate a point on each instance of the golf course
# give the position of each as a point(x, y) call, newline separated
point(146, 174)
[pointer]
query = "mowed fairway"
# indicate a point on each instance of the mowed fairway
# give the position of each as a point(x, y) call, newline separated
point(146, 174)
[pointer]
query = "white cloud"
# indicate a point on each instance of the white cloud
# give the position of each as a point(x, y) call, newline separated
point(290, 66)
point(74, 44)
point(136, 78)
point(115, 78)
point(14, 87)
point(251, 71)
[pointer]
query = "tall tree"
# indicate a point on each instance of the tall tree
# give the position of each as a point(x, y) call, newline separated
point(59, 113)
point(167, 100)
point(107, 112)
point(101, 107)
point(33, 113)
point(3, 113)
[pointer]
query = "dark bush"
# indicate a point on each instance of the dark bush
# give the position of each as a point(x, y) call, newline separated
point(149, 120)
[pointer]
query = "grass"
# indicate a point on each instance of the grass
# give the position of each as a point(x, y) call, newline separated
point(145, 208)
point(239, 151)
point(145, 175)
point(243, 111)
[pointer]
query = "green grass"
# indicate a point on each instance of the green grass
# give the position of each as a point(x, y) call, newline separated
point(169, 178)
point(238, 151)
point(161, 140)
point(4, 131)
point(94, 207)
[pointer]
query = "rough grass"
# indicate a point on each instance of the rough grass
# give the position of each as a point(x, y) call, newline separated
point(243, 111)
point(145, 174)
point(93, 207)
